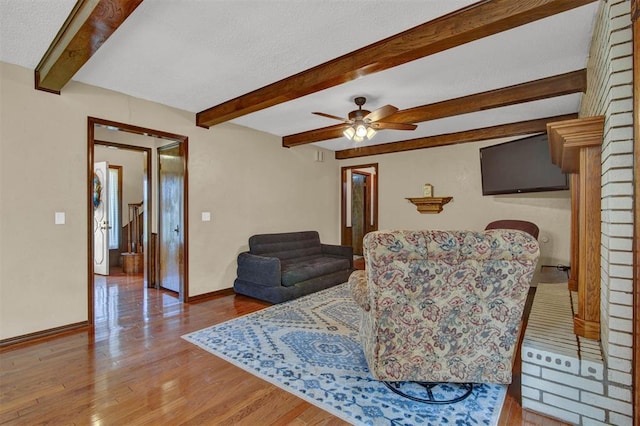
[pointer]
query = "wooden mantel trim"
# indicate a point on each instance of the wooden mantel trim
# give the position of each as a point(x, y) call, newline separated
point(88, 26)
point(575, 146)
point(566, 138)
point(474, 22)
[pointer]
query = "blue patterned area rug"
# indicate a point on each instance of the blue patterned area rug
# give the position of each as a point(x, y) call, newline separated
point(309, 347)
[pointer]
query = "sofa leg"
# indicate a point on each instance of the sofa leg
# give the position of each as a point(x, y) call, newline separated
point(436, 393)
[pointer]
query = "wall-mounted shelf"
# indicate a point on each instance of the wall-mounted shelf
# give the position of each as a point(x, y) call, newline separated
point(430, 204)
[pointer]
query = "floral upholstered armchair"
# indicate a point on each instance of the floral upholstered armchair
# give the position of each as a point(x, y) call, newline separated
point(443, 306)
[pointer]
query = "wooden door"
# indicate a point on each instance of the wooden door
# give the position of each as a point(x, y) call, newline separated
point(360, 209)
point(359, 204)
point(101, 218)
point(171, 165)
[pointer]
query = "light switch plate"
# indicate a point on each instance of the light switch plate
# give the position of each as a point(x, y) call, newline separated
point(60, 218)
point(206, 216)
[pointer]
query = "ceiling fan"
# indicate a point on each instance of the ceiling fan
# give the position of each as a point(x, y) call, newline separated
point(363, 124)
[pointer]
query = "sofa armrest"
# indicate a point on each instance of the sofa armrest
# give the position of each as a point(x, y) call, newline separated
point(261, 270)
point(359, 289)
point(336, 250)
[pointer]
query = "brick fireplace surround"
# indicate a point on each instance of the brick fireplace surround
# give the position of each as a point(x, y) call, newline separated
point(583, 381)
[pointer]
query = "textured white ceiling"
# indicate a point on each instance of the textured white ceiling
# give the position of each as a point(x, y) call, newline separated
point(27, 28)
point(194, 54)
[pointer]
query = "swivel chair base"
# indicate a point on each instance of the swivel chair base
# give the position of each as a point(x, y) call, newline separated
point(436, 393)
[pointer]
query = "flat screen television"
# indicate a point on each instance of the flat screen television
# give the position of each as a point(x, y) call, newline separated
point(523, 165)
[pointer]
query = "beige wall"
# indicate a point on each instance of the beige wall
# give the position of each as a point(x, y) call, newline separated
point(245, 178)
point(455, 171)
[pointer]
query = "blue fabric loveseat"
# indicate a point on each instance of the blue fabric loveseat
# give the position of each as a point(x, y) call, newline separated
point(281, 267)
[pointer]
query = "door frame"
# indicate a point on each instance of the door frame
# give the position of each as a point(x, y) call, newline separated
point(91, 142)
point(345, 232)
point(182, 291)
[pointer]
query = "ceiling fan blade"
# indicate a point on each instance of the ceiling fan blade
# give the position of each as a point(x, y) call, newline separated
point(381, 113)
point(329, 116)
point(379, 125)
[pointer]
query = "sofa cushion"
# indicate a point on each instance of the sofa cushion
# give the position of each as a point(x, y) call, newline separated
point(304, 268)
point(286, 245)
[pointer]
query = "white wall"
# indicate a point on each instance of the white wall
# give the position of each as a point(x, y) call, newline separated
point(245, 178)
point(455, 171)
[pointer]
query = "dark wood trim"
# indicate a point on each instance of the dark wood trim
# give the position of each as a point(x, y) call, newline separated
point(185, 196)
point(36, 84)
point(345, 233)
point(315, 135)
point(90, 248)
point(130, 128)
point(211, 295)
point(474, 22)
point(635, 18)
point(39, 336)
point(86, 28)
point(475, 135)
point(558, 85)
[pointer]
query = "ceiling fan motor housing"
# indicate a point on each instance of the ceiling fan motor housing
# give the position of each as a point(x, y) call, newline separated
point(358, 114)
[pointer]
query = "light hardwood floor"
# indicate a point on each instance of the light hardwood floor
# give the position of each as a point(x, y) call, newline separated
point(135, 369)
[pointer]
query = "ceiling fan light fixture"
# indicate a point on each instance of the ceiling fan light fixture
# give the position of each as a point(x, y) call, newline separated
point(349, 133)
point(361, 129)
point(370, 132)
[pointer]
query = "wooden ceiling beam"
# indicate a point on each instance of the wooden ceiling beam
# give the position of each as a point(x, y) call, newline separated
point(558, 85)
point(474, 22)
point(475, 135)
point(88, 26)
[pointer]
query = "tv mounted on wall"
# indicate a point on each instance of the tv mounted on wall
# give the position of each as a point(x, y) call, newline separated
point(523, 165)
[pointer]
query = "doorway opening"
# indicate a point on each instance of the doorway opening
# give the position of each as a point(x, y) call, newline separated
point(359, 204)
point(120, 207)
point(137, 215)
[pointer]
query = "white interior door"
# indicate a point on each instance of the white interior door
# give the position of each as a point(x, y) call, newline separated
point(101, 218)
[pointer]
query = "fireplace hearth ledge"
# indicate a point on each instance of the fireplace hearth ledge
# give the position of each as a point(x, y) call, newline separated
point(564, 375)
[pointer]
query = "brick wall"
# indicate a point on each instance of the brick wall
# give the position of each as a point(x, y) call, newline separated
point(610, 93)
